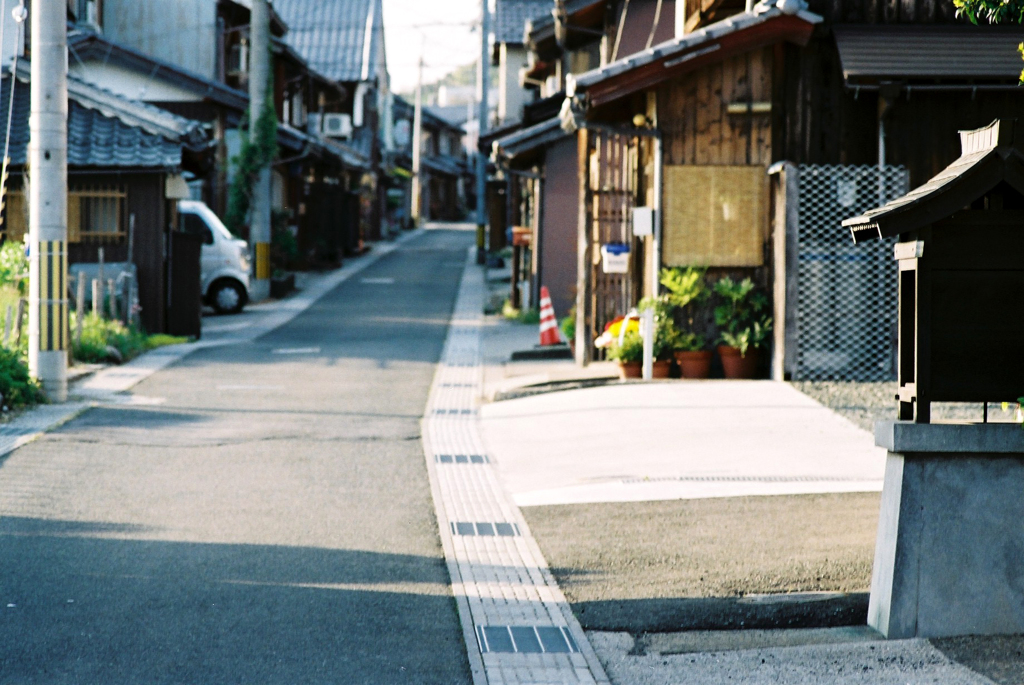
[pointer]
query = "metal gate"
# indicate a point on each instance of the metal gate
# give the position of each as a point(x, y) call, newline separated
point(846, 312)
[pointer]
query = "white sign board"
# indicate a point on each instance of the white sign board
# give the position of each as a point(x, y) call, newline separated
point(643, 221)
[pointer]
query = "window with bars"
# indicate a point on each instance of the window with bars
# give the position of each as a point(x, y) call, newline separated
point(95, 215)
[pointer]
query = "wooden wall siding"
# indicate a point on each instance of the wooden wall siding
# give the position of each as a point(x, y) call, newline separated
point(694, 117)
point(560, 200)
point(818, 120)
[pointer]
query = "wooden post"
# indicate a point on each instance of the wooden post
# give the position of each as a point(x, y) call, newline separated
point(18, 326)
point(786, 254)
point(97, 297)
point(79, 305)
point(514, 294)
point(112, 301)
point(584, 317)
point(7, 324)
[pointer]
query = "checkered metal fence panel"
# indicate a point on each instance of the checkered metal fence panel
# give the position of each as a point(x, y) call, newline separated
point(846, 316)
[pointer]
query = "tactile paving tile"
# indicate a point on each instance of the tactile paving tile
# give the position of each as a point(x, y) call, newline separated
point(517, 625)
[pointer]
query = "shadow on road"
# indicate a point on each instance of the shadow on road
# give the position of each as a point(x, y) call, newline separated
point(82, 603)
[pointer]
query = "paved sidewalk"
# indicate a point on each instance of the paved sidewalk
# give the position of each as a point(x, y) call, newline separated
point(517, 625)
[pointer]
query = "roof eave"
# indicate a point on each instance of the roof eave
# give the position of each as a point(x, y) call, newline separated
point(673, 59)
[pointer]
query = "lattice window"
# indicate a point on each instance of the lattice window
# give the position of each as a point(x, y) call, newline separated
point(96, 215)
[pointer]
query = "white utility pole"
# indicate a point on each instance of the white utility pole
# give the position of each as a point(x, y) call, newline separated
point(48, 199)
point(259, 91)
point(415, 209)
point(481, 159)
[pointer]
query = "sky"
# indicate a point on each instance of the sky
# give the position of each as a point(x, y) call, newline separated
point(445, 30)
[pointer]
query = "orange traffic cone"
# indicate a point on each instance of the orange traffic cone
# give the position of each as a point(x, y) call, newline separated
point(548, 324)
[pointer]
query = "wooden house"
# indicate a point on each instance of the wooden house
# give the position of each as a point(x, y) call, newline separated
point(125, 164)
point(539, 160)
point(741, 109)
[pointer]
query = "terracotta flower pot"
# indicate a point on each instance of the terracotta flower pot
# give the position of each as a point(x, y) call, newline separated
point(631, 369)
point(736, 365)
point(694, 364)
point(661, 368)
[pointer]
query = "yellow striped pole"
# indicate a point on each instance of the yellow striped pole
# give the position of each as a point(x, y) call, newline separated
point(48, 188)
point(262, 265)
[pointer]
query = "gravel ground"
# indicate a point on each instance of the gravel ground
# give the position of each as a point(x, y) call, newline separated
point(865, 403)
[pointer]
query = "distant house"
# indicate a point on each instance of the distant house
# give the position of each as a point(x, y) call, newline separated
point(510, 56)
point(343, 41)
point(319, 182)
point(540, 160)
point(125, 161)
point(443, 163)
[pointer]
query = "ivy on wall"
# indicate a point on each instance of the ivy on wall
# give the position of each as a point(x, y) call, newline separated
point(256, 154)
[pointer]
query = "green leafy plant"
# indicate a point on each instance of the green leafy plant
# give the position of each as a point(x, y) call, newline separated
point(254, 156)
point(568, 325)
point(666, 334)
point(741, 315)
point(686, 287)
point(630, 350)
point(99, 334)
point(993, 12)
point(16, 387)
point(14, 266)
point(527, 316)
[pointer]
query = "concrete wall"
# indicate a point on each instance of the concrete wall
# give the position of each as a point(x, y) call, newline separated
point(183, 32)
point(949, 559)
point(511, 96)
point(559, 214)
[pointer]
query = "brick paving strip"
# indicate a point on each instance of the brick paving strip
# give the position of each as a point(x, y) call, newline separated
point(518, 627)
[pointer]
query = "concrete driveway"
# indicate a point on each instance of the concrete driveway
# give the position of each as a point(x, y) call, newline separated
point(676, 440)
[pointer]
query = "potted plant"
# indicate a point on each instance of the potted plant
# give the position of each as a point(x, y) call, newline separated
point(629, 354)
point(743, 325)
point(665, 333)
point(685, 288)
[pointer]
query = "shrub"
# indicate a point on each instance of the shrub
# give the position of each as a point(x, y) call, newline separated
point(17, 388)
point(98, 334)
point(14, 266)
point(568, 325)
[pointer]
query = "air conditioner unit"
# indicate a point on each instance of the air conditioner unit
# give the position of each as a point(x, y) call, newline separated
point(336, 126)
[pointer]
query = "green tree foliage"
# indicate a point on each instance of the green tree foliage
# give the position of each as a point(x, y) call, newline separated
point(993, 12)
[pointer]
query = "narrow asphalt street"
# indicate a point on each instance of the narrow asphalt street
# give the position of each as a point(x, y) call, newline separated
point(257, 513)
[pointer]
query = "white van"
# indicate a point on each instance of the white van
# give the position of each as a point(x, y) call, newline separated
point(225, 258)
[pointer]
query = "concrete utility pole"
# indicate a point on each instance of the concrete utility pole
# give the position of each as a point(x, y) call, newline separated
point(48, 199)
point(259, 90)
point(415, 209)
point(481, 158)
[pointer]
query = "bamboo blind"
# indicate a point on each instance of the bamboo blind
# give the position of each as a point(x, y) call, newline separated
point(715, 215)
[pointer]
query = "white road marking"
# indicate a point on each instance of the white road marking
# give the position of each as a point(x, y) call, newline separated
point(377, 281)
point(297, 350)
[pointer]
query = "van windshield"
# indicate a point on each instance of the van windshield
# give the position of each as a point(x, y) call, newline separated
point(214, 222)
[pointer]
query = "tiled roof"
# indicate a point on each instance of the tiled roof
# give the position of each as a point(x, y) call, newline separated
point(510, 18)
point(331, 35)
point(94, 138)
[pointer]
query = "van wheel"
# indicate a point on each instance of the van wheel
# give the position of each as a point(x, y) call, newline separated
point(227, 297)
